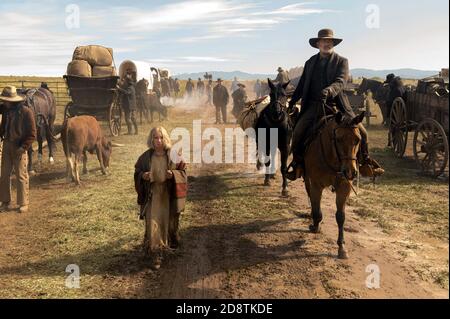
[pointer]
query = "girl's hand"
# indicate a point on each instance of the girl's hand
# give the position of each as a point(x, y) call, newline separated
point(169, 174)
point(147, 176)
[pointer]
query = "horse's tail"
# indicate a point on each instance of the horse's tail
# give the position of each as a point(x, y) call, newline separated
point(65, 137)
point(48, 128)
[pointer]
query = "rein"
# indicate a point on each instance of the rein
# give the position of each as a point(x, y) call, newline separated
point(337, 172)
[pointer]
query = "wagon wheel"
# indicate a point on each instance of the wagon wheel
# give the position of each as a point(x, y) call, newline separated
point(68, 110)
point(115, 116)
point(398, 128)
point(431, 147)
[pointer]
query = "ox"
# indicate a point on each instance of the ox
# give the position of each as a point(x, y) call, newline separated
point(83, 134)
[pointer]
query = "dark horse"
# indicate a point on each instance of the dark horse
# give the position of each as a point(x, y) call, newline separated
point(275, 116)
point(380, 93)
point(331, 160)
point(43, 104)
point(148, 103)
point(141, 99)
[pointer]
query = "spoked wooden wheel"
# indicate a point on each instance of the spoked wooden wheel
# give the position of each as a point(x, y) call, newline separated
point(398, 128)
point(115, 117)
point(431, 147)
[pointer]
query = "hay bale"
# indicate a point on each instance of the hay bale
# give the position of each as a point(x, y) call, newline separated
point(79, 68)
point(103, 71)
point(96, 55)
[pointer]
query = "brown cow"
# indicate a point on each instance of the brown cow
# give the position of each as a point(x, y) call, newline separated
point(83, 134)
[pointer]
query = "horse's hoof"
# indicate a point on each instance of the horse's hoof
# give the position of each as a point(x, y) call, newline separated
point(266, 182)
point(314, 229)
point(51, 160)
point(342, 254)
point(32, 173)
point(85, 172)
point(285, 193)
point(272, 176)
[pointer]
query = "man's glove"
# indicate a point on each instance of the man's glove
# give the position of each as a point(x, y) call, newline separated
point(291, 106)
point(326, 94)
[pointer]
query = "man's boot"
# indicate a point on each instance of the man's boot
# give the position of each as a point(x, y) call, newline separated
point(129, 129)
point(5, 207)
point(369, 167)
point(297, 169)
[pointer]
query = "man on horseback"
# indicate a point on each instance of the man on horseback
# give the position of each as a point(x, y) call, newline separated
point(321, 88)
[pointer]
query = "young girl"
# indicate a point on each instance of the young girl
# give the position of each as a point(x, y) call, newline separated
point(159, 176)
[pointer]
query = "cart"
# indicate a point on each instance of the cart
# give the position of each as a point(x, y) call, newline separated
point(423, 111)
point(95, 96)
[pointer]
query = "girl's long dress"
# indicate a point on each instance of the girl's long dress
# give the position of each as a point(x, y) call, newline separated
point(157, 209)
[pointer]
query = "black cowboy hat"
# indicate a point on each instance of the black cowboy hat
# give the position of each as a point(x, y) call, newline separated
point(324, 34)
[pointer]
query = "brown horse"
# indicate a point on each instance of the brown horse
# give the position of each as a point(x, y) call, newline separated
point(331, 160)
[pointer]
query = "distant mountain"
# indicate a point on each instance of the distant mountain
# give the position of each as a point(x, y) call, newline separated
point(225, 75)
point(356, 73)
point(403, 73)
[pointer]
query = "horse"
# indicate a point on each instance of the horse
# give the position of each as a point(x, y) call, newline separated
point(154, 105)
point(141, 99)
point(380, 94)
point(275, 116)
point(43, 104)
point(331, 160)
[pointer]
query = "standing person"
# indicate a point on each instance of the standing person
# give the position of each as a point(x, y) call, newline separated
point(234, 85)
point(129, 103)
point(282, 77)
point(209, 92)
point(156, 85)
point(220, 100)
point(239, 99)
point(18, 132)
point(165, 87)
point(322, 84)
point(189, 88)
point(257, 89)
point(200, 87)
point(157, 172)
point(176, 87)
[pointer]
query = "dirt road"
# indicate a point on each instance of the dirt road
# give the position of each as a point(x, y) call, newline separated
point(239, 240)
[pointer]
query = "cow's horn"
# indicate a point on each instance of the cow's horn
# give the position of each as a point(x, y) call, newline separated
point(117, 145)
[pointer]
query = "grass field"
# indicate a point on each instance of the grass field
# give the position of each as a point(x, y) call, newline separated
point(240, 239)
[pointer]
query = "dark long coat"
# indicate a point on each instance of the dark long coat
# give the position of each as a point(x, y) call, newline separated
point(337, 76)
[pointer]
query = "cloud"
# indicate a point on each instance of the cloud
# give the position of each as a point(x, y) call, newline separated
point(179, 14)
point(296, 9)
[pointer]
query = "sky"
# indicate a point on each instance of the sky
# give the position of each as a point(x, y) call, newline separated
point(38, 37)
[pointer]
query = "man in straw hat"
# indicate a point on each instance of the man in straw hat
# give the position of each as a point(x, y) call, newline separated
point(18, 132)
point(220, 101)
point(322, 83)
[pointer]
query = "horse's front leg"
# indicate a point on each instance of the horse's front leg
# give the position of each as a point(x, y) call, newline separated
point(315, 192)
point(284, 150)
point(30, 159)
point(342, 195)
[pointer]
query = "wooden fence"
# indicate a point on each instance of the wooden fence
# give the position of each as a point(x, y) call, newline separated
point(56, 85)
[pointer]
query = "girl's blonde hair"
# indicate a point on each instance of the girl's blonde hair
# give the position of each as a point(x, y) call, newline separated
point(166, 139)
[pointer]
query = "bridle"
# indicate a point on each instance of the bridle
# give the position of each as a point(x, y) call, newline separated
point(283, 113)
point(338, 172)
